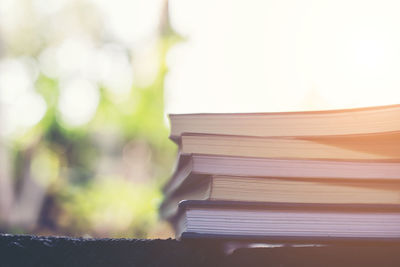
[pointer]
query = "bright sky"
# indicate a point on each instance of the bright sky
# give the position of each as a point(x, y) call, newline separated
point(283, 55)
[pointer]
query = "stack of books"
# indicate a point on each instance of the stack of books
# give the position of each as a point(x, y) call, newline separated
point(317, 175)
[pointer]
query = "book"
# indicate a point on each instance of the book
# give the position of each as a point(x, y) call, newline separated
point(368, 120)
point(351, 147)
point(200, 165)
point(287, 221)
point(261, 189)
point(289, 176)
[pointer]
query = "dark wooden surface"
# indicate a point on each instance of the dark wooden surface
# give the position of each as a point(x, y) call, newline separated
point(63, 251)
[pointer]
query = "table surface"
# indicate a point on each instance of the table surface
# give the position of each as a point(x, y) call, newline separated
point(25, 250)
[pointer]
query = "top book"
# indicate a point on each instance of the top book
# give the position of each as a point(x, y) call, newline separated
point(379, 119)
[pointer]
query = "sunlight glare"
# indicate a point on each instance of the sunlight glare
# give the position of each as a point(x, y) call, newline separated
point(275, 55)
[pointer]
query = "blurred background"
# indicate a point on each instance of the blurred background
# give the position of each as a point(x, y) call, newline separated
point(86, 86)
point(84, 138)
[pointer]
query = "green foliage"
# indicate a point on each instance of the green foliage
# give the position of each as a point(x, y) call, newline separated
point(109, 207)
point(69, 161)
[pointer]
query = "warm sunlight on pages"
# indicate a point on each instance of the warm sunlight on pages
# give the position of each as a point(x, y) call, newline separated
point(283, 55)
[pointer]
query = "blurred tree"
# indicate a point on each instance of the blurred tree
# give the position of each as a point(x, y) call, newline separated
point(100, 176)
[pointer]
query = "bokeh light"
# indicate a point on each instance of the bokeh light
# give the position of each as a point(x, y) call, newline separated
point(78, 101)
point(83, 145)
